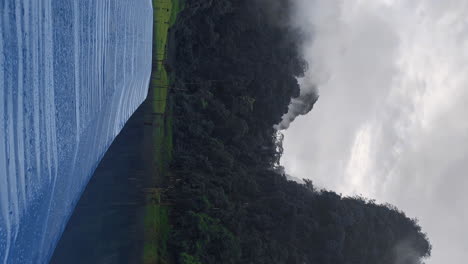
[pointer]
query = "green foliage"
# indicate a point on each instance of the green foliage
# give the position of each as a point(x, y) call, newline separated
point(157, 230)
point(188, 259)
point(233, 203)
point(210, 240)
point(204, 103)
point(156, 218)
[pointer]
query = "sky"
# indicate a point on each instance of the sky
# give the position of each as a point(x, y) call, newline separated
point(391, 122)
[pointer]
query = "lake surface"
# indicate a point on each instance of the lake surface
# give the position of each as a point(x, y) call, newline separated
point(71, 74)
point(107, 222)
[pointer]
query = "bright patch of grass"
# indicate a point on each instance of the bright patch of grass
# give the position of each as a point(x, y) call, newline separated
point(156, 232)
point(156, 218)
point(165, 14)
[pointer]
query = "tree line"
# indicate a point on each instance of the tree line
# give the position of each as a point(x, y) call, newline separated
point(231, 201)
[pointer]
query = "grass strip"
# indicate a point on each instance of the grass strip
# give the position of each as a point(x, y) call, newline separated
point(156, 220)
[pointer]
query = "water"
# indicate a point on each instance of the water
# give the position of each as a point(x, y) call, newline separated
point(108, 220)
point(71, 74)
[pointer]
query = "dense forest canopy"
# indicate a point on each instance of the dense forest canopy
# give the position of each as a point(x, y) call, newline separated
point(236, 64)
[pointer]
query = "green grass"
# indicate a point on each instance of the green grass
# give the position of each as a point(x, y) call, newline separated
point(157, 230)
point(165, 14)
point(156, 220)
point(162, 138)
point(168, 147)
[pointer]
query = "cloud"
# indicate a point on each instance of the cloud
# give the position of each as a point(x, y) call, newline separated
point(301, 105)
point(390, 123)
point(406, 253)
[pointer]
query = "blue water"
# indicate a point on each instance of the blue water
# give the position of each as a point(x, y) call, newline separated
point(71, 74)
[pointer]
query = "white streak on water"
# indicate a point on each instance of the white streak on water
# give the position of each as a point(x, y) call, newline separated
point(5, 227)
point(76, 51)
point(71, 74)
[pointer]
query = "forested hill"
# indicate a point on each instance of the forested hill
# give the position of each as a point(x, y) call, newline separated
point(235, 64)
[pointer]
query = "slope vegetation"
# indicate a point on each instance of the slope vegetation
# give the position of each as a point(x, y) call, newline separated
point(236, 64)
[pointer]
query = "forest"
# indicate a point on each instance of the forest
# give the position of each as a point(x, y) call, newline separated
point(234, 67)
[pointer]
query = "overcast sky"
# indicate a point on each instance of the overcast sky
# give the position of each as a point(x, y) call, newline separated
point(391, 122)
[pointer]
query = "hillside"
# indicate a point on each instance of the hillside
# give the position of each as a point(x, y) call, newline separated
point(236, 64)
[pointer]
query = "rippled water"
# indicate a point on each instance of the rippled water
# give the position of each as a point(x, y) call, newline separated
point(71, 74)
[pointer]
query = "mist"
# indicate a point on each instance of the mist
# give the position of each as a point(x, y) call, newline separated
point(300, 105)
point(390, 122)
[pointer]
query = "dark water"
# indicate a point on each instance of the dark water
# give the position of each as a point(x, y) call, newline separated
point(106, 226)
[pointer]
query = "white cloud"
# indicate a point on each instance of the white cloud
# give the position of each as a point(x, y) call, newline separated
point(360, 163)
point(390, 122)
